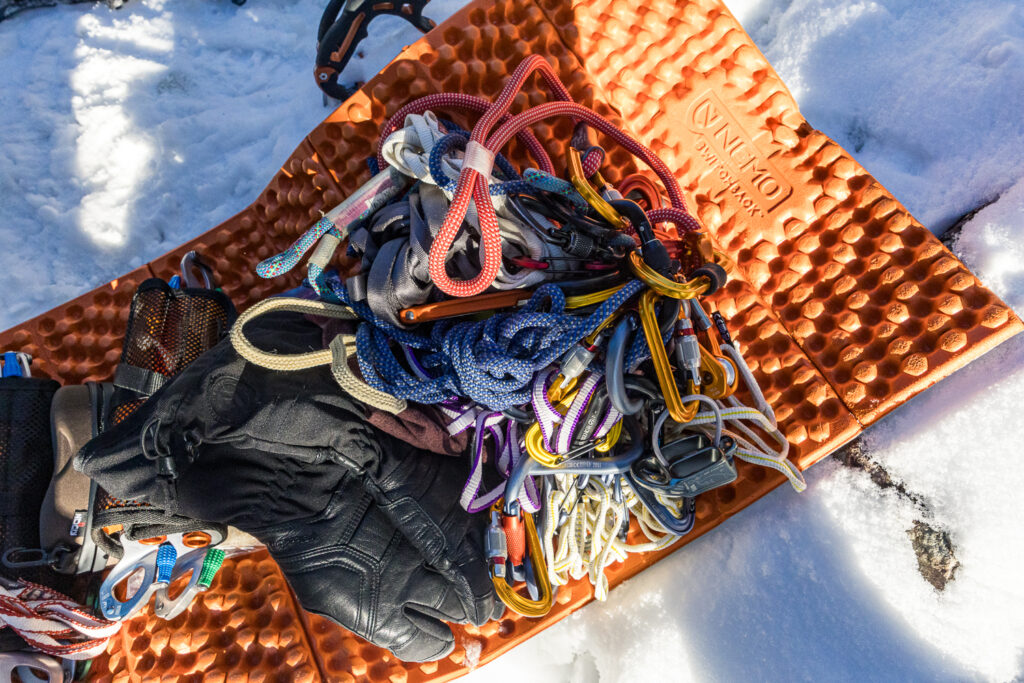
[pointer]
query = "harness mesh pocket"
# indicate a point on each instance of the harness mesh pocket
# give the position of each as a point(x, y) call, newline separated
point(167, 330)
point(26, 464)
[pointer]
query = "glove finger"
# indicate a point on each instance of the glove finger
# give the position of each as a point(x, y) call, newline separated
point(372, 606)
point(433, 640)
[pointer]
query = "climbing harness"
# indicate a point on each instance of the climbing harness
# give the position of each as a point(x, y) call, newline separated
point(565, 321)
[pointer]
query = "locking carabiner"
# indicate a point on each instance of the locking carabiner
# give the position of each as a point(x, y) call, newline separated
point(506, 593)
point(662, 367)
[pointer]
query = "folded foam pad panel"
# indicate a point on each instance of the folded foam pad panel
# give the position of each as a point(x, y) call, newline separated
point(844, 304)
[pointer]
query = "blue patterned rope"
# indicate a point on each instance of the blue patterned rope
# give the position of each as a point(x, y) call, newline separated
point(491, 362)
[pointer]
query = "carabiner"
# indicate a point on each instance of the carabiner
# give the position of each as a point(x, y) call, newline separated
point(677, 526)
point(587, 191)
point(17, 364)
point(19, 558)
point(581, 300)
point(27, 666)
point(662, 367)
point(615, 370)
point(192, 263)
point(689, 289)
point(451, 308)
point(513, 600)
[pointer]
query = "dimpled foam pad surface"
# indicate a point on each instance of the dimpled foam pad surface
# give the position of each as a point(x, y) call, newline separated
point(844, 305)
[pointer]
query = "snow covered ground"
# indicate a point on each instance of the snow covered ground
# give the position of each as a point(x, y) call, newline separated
point(125, 133)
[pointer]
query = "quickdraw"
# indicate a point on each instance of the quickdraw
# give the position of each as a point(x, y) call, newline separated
point(603, 393)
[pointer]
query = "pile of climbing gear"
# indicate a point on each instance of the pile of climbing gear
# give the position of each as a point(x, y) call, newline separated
point(494, 380)
point(60, 530)
point(562, 321)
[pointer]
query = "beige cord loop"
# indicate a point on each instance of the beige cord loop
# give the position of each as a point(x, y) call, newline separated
point(336, 356)
point(354, 386)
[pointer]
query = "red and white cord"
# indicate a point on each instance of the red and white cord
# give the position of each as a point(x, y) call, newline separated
point(53, 623)
point(473, 185)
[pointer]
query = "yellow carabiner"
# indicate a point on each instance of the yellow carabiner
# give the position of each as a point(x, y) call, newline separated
point(587, 191)
point(534, 440)
point(513, 600)
point(605, 324)
point(610, 439)
point(562, 399)
point(664, 286)
point(562, 396)
point(581, 300)
point(662, 367)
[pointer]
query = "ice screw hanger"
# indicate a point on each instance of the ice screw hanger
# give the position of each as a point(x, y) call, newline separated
point(166, 556)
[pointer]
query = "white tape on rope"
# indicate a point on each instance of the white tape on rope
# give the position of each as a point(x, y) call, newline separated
point(479, 158)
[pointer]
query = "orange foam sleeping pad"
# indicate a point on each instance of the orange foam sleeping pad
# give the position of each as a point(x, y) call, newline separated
point(844, 305)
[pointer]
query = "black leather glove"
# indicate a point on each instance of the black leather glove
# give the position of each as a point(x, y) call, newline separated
point(367, 529)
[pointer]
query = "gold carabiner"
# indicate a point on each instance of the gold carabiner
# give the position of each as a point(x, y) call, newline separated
point(690, 289)
point(673, 401)
point(534, 441)
point(610, 439)
point(560, 395)
point(513, 600)
point(561, 398)
point(587, 191)
point(581, 300)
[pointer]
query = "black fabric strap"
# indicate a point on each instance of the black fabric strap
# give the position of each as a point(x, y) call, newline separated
point(137, 379)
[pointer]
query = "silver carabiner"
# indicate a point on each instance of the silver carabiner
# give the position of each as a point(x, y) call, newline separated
point(190, 264)
point(167, 607)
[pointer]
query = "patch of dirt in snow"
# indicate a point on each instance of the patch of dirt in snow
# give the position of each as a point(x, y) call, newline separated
point(936, 556)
